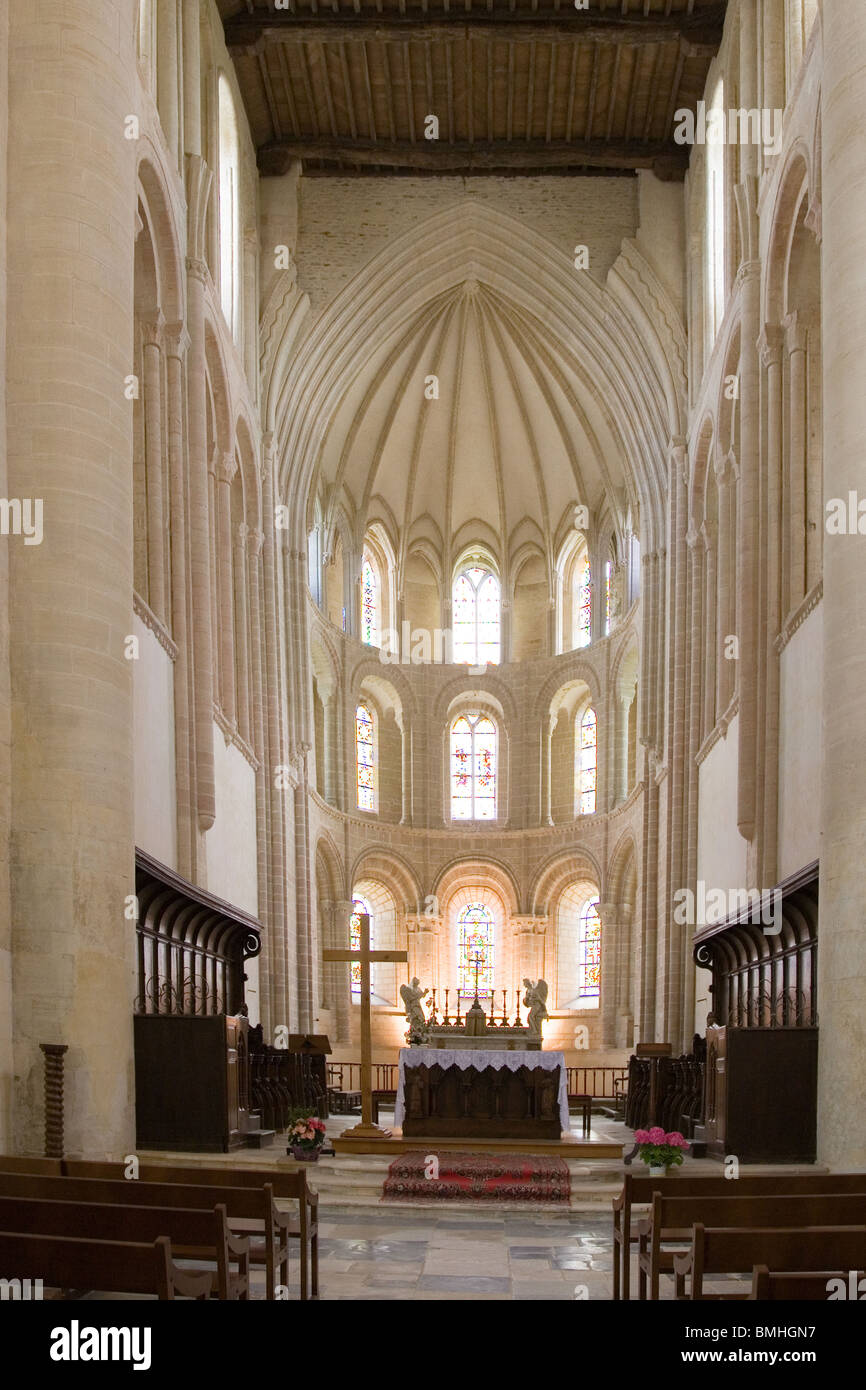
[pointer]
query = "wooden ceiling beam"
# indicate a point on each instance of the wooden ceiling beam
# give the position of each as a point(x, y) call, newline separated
point(667, 160)
point(700, 31)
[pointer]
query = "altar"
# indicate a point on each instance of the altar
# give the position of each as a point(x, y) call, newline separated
point(493, 1094)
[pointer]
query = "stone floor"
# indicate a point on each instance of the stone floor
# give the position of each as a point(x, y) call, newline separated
point(408, 1255)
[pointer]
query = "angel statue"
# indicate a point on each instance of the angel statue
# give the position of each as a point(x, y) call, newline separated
point(412, 996)
point(535, 1000)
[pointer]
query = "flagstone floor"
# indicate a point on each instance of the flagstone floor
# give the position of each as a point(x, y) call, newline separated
point(424, 1255)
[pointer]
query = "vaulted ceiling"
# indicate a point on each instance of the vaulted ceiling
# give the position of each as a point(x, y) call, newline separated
point(518, 86)
point(498, 448)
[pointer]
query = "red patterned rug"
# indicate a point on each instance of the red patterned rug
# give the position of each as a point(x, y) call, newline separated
point(477, 1177)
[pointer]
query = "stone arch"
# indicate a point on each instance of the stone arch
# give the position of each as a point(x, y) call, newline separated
point(386, 865)
point(557, 872)
point(152, 191)
point(484, 872)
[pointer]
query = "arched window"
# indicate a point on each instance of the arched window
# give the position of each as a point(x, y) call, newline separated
point(715, 248)
point(589, 957)
point(475, 950)
point(475, 616)
point(473, 768)
point(229, 206)
point(586, 762)
point(360, 908)
point(365, 758)
point(582, 609)
point(369, 604)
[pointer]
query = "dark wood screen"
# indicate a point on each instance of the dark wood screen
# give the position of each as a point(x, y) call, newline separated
point(761, 980)
point(191, 946)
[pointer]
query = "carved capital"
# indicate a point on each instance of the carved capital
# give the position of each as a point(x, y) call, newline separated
point(255, 541)
point(176, 340)
point(197, 269)
point(153, 330)
point(770, 345)
point(227, 467)
point(796, 333)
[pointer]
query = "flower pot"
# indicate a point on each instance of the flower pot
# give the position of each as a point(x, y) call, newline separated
point(304, 1155)
point(658, 1170)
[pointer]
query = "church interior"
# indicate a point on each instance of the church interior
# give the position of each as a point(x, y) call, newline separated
point(432, 647)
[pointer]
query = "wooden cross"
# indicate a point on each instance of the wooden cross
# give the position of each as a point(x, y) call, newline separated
point(366, 958)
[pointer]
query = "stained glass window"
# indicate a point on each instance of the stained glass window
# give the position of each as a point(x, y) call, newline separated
point(365, 746)
point(369, 605)
point(473, 768)
point(475, 947)
point(589, 956)
point(583, 604)
point(359, 907)
point(586, 762)
point(475, 611)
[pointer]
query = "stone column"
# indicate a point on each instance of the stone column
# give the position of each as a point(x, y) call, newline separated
point(709, 536)
point(669, 1008)
point(609, 914)
point(329, 718)
point(70, 340)
point(842, 958)
point(406, 768)
point(167, 72)
point(725, 667)
point(241, 607)
point(156, 528)
point(176, 344)
point(226, 469)
point(341, 982)
point(545, 738)
point(200, 559)
point(798, 395)
point(770, 347)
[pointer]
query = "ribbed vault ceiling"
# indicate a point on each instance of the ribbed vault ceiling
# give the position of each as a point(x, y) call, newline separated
point(514, 439)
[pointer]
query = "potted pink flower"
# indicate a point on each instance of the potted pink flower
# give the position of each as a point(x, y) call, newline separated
point(660, 1151)
point(306, 1135)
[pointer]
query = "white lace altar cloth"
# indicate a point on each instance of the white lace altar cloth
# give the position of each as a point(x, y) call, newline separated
point(452, 1057)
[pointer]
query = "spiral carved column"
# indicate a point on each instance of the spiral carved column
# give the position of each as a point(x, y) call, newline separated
point(53, 1053)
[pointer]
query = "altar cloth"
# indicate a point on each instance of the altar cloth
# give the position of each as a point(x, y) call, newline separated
point(452, 1057)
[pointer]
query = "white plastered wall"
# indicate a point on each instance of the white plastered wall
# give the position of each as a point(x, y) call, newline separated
point(153, 714)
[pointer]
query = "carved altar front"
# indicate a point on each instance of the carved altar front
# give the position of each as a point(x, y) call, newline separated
point(482, 1095)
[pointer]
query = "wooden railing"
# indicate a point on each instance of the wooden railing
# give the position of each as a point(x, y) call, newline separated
point(598, 1082)
point(346, 1076)
point(602, 1083)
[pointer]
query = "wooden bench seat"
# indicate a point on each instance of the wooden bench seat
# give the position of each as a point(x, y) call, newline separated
point(735, 1250)
point(638, 1190)
point(194, 1234)
point(254, 1205)
point(289, 1185)
point(110, 1266)
point(796, 1285)
point(672, 1218)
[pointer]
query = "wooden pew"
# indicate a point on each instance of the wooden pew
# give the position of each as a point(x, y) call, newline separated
point(734, 1250)
point(111, 1266)
point(47, 1167)
point(289, 1184)
point(796, 1286)
point(672, 1218)
point(194, 1233)
point(251, 1211)
point(638, 1191)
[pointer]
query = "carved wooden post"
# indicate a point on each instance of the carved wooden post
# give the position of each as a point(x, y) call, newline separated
point(53, 1098)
